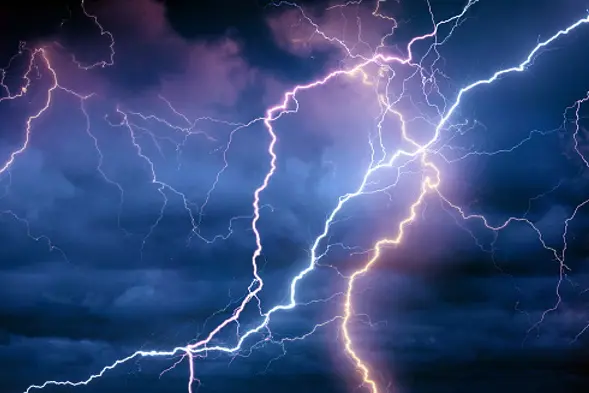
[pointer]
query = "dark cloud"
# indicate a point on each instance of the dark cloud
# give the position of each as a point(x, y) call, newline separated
point(244, 21)
point(452, 309)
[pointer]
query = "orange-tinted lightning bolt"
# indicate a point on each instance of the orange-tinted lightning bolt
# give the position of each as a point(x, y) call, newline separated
point(427, 184)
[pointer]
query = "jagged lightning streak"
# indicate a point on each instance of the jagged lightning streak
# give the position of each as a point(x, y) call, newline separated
point(272, 115)
point(36, 53)
point(577, 106)
point(41, 52)
point(103, 32)
point(428, 183)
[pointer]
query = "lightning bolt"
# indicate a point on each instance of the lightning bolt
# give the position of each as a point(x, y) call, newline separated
point(422, 153)
point(41, 54)
point(429, 184)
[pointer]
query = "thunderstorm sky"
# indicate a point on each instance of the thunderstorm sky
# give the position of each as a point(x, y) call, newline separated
point(97, 260)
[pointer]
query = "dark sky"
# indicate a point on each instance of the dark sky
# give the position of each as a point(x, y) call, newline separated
point(100, 257)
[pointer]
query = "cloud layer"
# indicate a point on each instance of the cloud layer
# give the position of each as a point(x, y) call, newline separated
point(98, 260)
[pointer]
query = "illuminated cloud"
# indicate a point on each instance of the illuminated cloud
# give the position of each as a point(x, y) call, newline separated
point(152, 211)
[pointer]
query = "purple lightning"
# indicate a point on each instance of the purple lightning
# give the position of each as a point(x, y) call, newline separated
point(421, 153)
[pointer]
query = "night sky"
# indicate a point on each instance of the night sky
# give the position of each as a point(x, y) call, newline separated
point(126, 219)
